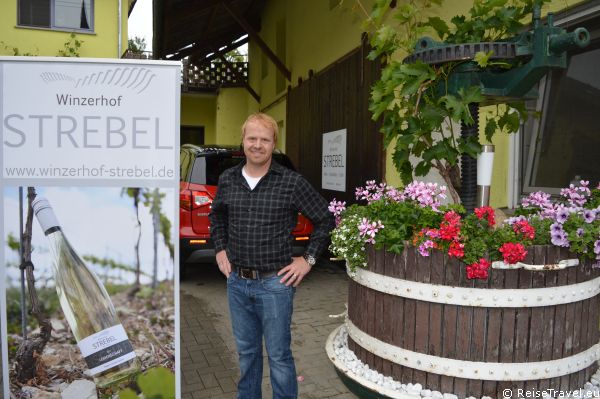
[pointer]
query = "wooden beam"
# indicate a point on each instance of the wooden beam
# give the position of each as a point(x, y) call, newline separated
point(158, 39)
point(198, 50)
point(186, 7)
point(218, 53)
point(254, 36)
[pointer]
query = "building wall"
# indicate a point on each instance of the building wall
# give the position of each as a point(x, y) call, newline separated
point(231, 112)
point(317, 36)
point(102, 43)
point(200, 110)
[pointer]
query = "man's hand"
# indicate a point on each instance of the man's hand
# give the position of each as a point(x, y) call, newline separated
point(294, 272)
point(223, 263)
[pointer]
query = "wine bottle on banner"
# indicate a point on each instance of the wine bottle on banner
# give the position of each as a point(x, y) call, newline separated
point(87, 307)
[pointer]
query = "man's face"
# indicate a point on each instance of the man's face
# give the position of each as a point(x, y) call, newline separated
point(258, 144)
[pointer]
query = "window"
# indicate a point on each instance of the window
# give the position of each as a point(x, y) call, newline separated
point(56, 14)
point(562, 145)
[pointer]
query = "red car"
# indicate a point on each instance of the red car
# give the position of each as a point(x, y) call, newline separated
point(201, 167)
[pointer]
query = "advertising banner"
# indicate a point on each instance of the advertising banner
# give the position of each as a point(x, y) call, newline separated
point(89, 177)
point(334, 161)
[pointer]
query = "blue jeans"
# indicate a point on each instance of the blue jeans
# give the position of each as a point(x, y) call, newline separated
point(258, 308)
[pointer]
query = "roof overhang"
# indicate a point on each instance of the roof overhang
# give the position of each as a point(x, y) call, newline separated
point(199, 28)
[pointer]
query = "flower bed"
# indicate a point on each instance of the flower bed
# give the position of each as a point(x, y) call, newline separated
point(393, 217)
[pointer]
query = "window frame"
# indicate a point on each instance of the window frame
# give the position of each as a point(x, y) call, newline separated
point(53, 27)
point(583, 13)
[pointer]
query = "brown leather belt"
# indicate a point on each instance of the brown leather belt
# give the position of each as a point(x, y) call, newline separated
point(252, 274)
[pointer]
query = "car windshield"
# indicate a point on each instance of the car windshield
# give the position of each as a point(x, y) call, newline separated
point(208, 168)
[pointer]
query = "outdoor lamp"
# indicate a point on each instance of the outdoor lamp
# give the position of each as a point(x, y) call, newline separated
point(485, 162)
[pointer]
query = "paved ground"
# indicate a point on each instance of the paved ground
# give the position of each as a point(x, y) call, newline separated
point(208, 358)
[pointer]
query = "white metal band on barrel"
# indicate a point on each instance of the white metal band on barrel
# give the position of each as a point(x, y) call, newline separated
point(470, 369)
point(479, 297)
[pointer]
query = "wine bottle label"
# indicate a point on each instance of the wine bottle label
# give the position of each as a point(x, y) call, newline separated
point(106, 349)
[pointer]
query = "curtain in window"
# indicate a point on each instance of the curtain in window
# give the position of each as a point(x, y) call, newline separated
point(74, 14)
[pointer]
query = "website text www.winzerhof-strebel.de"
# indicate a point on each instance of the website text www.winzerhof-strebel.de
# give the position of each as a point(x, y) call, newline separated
point(83, 171)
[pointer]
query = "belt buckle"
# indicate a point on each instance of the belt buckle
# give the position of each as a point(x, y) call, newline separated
point(248, 274)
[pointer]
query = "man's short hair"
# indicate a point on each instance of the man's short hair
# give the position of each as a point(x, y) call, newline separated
point(263, 119)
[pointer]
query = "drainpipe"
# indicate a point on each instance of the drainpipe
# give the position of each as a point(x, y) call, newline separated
point(119, 46)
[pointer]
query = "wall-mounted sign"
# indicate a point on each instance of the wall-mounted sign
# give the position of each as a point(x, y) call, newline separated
point(334, 161)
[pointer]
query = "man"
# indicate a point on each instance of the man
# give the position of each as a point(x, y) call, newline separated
point(252, 218)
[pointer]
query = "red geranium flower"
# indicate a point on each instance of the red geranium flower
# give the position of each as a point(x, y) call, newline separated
point(487, 212)
point(450, 227)
point(478, 270)
point(452, 218)
point(513, 252)
point(456, 249)
point(449, 233)
point(524, 228)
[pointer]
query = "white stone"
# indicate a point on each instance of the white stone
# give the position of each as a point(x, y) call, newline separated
point(80, 389)
point(426, 393)
point(437, 395)
point(450, 396)
point(413, 390)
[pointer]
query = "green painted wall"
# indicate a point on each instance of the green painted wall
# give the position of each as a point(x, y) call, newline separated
point(200, 110)
point(315, 37)
point(102, 43)
point(231, 112)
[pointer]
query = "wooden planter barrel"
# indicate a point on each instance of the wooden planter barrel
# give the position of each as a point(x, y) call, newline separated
point(526, 333)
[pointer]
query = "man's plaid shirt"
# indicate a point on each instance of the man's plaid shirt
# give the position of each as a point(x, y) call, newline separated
point(255, 226)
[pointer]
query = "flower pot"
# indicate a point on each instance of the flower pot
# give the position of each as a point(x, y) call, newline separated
point(420, 320)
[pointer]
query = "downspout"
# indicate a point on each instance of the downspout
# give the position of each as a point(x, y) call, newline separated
point(119, 46)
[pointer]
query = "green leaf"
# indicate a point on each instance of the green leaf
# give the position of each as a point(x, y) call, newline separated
point(469, 146)
point(157, 383)
point(482, 58)
point(406, 139)
point(510, 121)
point(380, 8)
point(471, 94)
point(437, 151)
point(433, 116)
point(419, 147)
point(490, 129)
point(455, 107)
point(422, 168)
point(128, 393)
point(440, 26)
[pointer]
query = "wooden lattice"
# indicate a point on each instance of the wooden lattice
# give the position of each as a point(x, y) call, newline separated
point(206, 77)
point(215, 75)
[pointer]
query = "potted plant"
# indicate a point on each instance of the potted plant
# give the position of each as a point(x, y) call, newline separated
point(461, 304)
point(420, 104)
point(394, 218)
point(441, 300)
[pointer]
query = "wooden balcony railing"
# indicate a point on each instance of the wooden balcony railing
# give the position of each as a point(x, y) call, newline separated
point(208, 77)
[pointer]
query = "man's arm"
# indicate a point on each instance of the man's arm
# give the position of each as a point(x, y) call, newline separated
point(218, 217)
point(312, 205)
point(315, 207)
